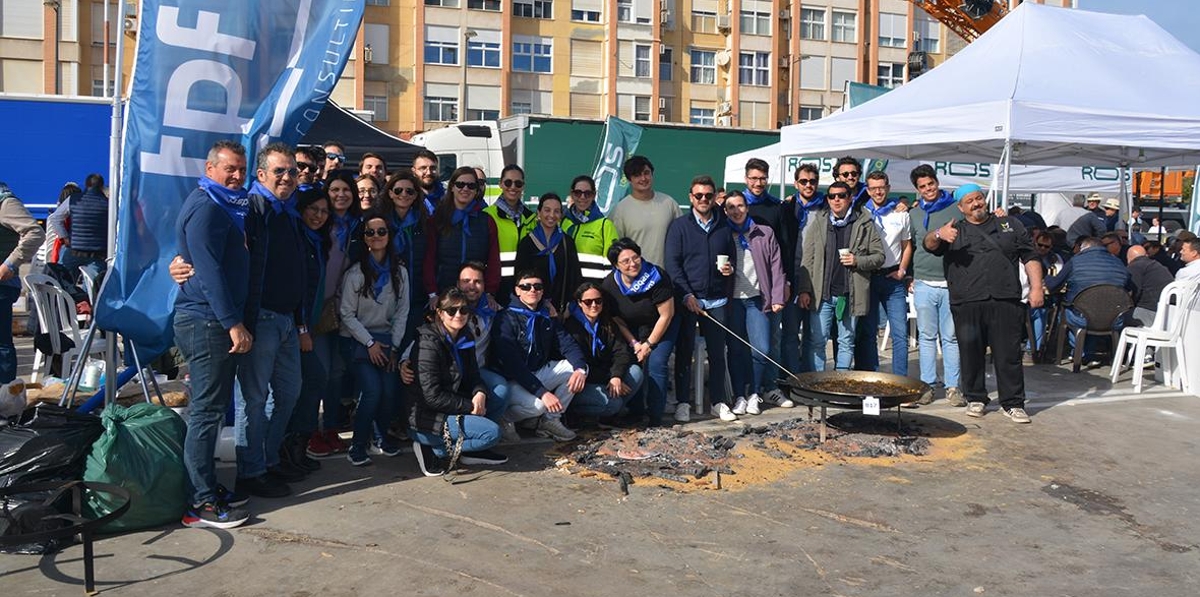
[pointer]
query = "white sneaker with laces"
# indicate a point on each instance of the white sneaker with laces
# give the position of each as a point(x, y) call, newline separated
point(754, 405)
point(683, 412)
point(777, 398)
point(725, 413)
point(553, 428)
point(739, 406)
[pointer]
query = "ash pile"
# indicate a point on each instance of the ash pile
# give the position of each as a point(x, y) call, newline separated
point(699, 459)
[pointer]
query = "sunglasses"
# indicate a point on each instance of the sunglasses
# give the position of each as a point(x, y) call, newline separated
point(592, 302)
point(850, 173)
point(466, 185)
point(456, 311)
point(404, 191)
point(535, 287)
point(335, 156)
point(281, 171)
point(838, 195)
point(307, 167)
point(806, 181)
point(369, 232)
point(582, 193)
point(703, 196)
point(513, 183)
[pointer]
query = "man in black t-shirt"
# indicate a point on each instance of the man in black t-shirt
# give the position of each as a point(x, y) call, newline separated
point(981, 254)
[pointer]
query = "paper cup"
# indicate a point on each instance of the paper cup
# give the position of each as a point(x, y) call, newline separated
point(843, 252)
point(722, 261)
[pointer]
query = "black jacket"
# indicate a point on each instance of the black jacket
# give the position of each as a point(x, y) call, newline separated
point(612, 360)
point(442, 388)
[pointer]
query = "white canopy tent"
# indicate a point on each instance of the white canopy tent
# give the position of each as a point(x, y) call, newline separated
point(1046, 86)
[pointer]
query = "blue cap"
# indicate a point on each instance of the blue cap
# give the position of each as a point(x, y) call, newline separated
point(965, 190)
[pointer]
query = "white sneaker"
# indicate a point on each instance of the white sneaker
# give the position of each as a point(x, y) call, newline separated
point(739, 406)
point(508, 433)
point(777, 398)
point(683, 412)
point(725, 413)
point(554, 429)
point(754, 405)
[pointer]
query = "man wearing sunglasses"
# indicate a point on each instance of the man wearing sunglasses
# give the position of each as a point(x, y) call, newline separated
point(849, 171)
point(308, 166)
point(841, 251)
point(806, 201)
point(335, 157)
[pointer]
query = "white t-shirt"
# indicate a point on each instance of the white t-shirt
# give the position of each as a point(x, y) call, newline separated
point(1190, 271)
point(893, 229)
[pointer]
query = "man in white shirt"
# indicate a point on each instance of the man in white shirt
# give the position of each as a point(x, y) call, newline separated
point(889, 292)
point(1189, 252)
point(644, 214)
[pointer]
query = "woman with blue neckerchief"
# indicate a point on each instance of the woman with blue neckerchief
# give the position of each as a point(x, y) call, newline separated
point(459, 232)
point(551, 252)
point(613, 374)
point(592, 232)
point(404, 192)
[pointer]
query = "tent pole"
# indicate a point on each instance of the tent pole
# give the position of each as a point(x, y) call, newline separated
point(1126, 205)
point(1008, 149)
point(114, 180)
point(1162, 198)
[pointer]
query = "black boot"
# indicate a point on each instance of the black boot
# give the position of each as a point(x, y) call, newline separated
point(293, 452)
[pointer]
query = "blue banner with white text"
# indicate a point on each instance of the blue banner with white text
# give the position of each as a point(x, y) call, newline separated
point(207, 70)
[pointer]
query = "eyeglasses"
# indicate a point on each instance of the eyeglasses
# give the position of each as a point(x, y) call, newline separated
point(850, 174)
point(466, 185)
point(513, 183)
point(838, 195)
point(806, 181)
point(703, 196)
point(592, 302)
point(335, 156)
point(628, 261)
point(307, 167)
point(369, 232)
point(281, 171)
point(883, 188)
point(757, 178)
point(457, 310)
point(582, 193)
point(404, 191)
point(532, 287)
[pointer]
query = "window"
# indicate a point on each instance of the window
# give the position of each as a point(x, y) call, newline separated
point(704, 22)
point(812, 23)
point(755, 115)
point(377, 37)
point(810, 113)
point(625, 11)
point(534, 9)
point(641, 107)
point(483, 53)
point(590, 16)
point(378, 2)
point(442, 3)
point(812, 72)
point(99, 90)
point(23, 19)
point(928, 33)
point(754, 68)
point(842, 70)
point(98, 25)
point(665, 60)
point(378, 104)
point(892, 30)
point(704, 66)
point(492, 5)
point(522, 108)
point(441, 45)
point(844, 27)
point(705, 116)
point(531, 55)
point(526, 101)
point(483, 115)
point(755, 23)
point(641, 61)
point(891, 74)
point(441, 109)
point(587, 58)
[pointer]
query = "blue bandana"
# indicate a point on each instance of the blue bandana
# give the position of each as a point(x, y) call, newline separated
point(802, 208)
point(277, 205)
point(646, 280)
point(766, 197)
point(843, 221)
point(343, 226)
point(484, 311)
point(404, 235)
point(433, 196)
point(383, 275)
point(741, 231)
point(880, 212)
point(531, 319)
point(592, 213)
point(593, 329)
point(943, 201)
point(547, 247)
point(457, 346)
point(462, 218)
point(236, 203)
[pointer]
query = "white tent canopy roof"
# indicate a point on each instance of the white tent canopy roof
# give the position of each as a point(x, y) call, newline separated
point(1068, 87)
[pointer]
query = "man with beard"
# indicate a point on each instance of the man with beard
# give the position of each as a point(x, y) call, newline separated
point(425, 166)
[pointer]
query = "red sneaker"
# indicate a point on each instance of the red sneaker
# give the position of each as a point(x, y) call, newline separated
point(318, 446)
point(335, 443)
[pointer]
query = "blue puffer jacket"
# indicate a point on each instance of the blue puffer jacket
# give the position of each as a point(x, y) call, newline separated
point(1091, 267)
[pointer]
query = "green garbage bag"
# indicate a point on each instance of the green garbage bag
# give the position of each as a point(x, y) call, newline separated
point(141, 450)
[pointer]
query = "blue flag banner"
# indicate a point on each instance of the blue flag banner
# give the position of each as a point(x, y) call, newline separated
point(620, 141)
point(207, 70)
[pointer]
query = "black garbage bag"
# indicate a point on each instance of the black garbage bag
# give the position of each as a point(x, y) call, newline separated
point(48, 443)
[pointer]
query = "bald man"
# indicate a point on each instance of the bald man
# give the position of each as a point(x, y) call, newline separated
point(1149, 277)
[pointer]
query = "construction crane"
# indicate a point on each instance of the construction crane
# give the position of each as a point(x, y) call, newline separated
point(968, 18)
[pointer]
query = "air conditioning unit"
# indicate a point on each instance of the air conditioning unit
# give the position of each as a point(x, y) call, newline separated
point(662, 103)
point(724, 121)
point(726, 107)
point(723, 57)
point(130, 24)
point(662, 117)
point(664, 17)
point(785, 13)
point(785, 62)
point(723, 23)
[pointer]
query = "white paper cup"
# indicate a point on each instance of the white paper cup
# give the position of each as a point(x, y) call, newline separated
point(722, 261)
point(843, 252)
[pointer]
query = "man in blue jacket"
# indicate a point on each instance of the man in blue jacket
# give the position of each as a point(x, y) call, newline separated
point(700, 260)
point(543, 364)
point(210, 324)
point(1094, 265)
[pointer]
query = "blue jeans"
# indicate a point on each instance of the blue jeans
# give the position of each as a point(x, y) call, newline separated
point(497, 394)
point(314, 371)
point(1037, 319)
point(8, 352)
point(378, 402)
point(714, 341)
point(788, 343)
point(749, 372)
point(652, 397)
point(935, 320)
point(595, 401)
point(1091, 344)
point(269, 372)
point(205, 345)
point(822, 324)
point(479, 433)
point(892, 294)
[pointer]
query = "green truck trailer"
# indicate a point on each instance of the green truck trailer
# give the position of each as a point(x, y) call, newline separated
point(555, 150)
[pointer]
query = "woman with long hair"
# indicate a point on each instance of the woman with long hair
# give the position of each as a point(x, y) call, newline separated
point(407, 218)
point(460, 232)
point(374, 311)
point(592, 232)
point(551, 252)
point(448, 418)
point(613, 374)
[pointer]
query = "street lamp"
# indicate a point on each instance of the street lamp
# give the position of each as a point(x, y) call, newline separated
point(468, 35)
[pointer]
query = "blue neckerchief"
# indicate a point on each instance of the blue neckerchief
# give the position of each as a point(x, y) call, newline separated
point(593, 329)
point(342, 227)
point(881, 212)
point(859, 195)
point(841, 222)
point(803, 208)
point(741, 231)
point(484, 311)
point(943, 201)
point(645, 280)
point(404, 235)
point(592, 213)
point(433, 196)
point(277, 205)
point(314, 239)
point(531, 319)
point(236, 203)
point(766, 197)
point(457, 346)
point(462, 218)
point(383, 274)
point(547, 246)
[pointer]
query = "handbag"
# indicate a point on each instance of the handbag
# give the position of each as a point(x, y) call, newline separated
point(329, 320)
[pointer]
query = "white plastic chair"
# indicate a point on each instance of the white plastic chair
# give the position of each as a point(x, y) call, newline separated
point(1175, 306)
point(56, 317)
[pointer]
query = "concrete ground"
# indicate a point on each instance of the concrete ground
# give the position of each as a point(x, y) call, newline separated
point(1097, 497)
